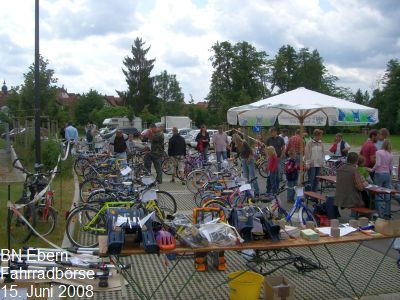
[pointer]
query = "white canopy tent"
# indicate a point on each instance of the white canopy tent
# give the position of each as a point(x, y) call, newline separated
point(302, 107)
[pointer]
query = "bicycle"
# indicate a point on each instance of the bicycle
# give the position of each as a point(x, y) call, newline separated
point(86, 222)
point(277, 212)
point(238, 197)
point(41, 215)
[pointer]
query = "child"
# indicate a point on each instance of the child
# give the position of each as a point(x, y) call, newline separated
point(362, 169)
point(273, 178)
point(292, 174)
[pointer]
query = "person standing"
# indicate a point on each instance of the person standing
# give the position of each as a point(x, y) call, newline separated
point(279, 145)
point(284, 136)
point(339, 147)
point(368, 151)
point(71, 136)
point(203, 142)
point(292, 174)
point(156, 153)
point(220, 140)
point(383, 134)
point(248, 166)
point(383, 178)
point(118, 145)
point(314, 158)
point(294, 144)
point(98, 142)
point(273, 178)
point(177, 151)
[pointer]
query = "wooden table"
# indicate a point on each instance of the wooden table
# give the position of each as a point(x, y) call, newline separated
point(262, 247)
point(330, 179)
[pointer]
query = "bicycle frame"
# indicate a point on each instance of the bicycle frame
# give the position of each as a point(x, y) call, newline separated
point(299, 203)
point(151, 205)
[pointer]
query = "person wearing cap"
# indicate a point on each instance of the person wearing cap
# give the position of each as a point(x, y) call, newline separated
point(314, 158)
point(118, 144)
point(155, 155)
point(177, 151)
point(339, 147)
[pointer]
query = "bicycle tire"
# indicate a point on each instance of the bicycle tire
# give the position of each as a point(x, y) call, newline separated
point(306, 215)
point(80, 164)
point(279, 214)
point(166, 202)
point(19, 231)
point(167, 166)
point(195, 180)
point(88, 186)
point(262, 168)
point(215, 203)
point(77, 219)
point(46, 219)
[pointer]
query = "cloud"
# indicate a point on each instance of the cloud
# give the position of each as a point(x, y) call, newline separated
point(179, 59)
point(73, 19)
point(87, 40)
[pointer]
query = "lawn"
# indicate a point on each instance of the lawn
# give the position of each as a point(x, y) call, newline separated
point(63, 187)
point(357, 139)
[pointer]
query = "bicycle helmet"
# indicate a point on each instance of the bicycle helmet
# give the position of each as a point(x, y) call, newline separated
point(165, 240)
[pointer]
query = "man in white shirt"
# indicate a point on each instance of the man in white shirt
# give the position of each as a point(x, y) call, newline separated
point(220, 140)
point(342, 147)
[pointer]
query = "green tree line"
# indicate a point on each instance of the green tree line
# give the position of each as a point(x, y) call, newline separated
point(241, 74)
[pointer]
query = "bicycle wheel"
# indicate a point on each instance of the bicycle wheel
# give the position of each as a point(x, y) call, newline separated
point(166, 202)
point(215, 203)
point(279, 213)
point(80, 164)
point(80, 232)
point(306, 215)
point(262, 168)
point(168, 166)
point(20, 231)
point(46, 218)
point(88, 186)
point(195, 180)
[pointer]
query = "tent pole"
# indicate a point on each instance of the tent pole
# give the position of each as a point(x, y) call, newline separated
point(301, 119)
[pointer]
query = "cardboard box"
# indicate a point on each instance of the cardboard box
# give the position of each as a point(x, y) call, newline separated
point(277, 288)
point(387, 227)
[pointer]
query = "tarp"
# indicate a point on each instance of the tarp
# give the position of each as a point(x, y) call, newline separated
point(301, 104)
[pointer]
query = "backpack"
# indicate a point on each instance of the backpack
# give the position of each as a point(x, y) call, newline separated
point(291, 171)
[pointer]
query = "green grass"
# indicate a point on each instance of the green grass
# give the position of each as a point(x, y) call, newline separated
point(64, 192)
point(357, 139)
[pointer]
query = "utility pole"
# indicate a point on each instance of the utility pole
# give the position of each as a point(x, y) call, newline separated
point(37, 86)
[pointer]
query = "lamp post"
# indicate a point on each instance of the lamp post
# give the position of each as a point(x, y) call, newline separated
point(37, 86)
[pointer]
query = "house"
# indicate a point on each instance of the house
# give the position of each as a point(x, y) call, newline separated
point(202, 104)
point(113, 101)
point(64, 98)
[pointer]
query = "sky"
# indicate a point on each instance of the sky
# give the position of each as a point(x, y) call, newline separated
point(86, 41)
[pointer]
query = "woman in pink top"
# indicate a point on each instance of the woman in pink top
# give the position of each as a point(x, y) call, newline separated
point(383, 173)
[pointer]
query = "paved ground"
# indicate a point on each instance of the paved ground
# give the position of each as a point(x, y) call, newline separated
point(148, 270)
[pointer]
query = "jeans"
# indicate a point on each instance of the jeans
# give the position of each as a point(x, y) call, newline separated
point(290, 190)
point(156, 159)
point(273, 180)
point(249, 173)
point(312, 177)
point(382, 201)
point(221, 156)
point(204, 154)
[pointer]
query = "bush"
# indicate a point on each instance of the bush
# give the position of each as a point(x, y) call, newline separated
point(50, 153)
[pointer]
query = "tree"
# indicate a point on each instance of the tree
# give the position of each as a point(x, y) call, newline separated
point(239, 77)
point(86, 104)
point(291, 70)
point(21, 101)
point(386, 100)
point(168, 90)
point(361, 98)
point(137, 73)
